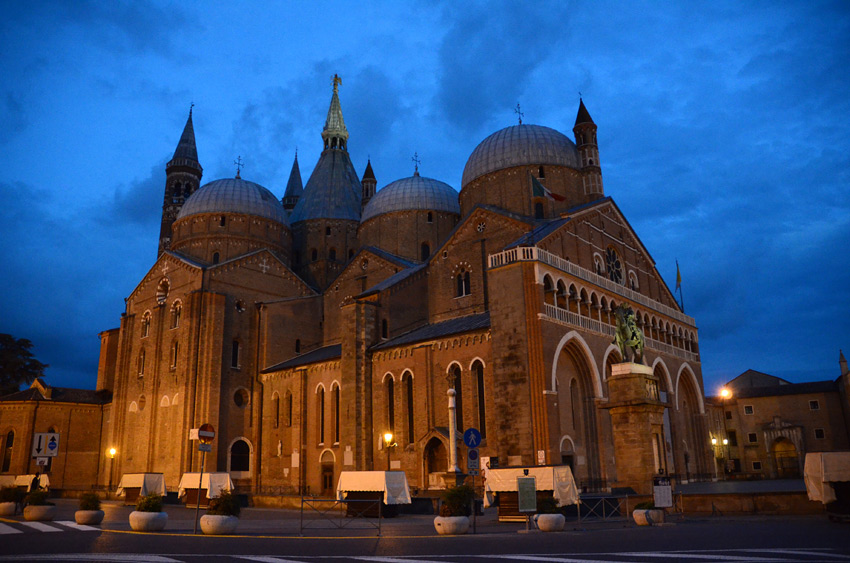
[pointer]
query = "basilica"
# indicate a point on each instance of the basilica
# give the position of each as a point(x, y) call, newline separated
point(305, 326)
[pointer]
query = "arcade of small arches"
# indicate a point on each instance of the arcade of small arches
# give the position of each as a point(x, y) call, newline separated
point(598, 307)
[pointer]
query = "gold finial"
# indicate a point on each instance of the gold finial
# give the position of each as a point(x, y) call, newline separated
point(337, 80)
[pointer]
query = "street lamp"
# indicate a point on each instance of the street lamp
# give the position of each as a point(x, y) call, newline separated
point(111, 452)
point(725, 394)
point(388, 442)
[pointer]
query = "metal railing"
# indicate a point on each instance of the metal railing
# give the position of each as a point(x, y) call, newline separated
point(339, 514)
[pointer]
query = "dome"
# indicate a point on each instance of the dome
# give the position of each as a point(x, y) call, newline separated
point(332, 192)
point(520, 145)
point(413, 193)
point(234, 195)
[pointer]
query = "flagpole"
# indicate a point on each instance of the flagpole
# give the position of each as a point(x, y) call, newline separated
point(679, 286)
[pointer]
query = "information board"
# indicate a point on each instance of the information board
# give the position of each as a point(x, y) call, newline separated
point(526, 488)
point(662, 492)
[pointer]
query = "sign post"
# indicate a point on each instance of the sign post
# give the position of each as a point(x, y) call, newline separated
point(472, 439)
point(206, 433)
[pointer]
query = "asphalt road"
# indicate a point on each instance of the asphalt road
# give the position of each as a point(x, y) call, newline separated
point(274, 535)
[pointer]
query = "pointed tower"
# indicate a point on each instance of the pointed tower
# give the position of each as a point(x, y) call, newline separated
point(294, 188)
point(591, 171)
point(182, 177)
point(369, 183)
point(325, 219)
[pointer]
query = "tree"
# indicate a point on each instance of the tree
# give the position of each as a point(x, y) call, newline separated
point(17, 364)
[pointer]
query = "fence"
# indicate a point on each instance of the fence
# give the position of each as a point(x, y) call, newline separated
point(341, 513)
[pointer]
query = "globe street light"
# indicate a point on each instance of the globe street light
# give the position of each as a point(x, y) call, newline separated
point(725, 394)
point(388, 441)
point(111, 452)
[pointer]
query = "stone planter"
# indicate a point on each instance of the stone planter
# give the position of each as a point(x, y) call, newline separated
point(550, 522)
point(88, 517)
point(648, 516)
point(7, 508)
point(39, 512)
point(148, 521)
point(451, 525)
point(218, 524)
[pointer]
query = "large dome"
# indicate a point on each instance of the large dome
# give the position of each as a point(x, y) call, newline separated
point(413, 193)
point(234, 195)
point(517, 146)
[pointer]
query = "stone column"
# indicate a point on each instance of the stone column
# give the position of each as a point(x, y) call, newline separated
point(637, 419)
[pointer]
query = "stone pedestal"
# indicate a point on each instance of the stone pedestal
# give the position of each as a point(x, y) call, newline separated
point(637, 420)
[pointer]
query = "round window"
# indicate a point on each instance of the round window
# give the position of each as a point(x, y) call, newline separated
point(615, 268)
point(240, 398)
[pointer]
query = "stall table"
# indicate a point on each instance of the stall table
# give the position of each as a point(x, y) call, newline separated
point(389, 488)
point(24, 482)
point(827, 477)
point(551, 481)
point(134, 485)
point(211, 487)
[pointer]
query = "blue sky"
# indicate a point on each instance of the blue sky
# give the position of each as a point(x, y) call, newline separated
point(724, 136)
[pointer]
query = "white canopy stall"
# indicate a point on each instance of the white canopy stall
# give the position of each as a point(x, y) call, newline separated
point(211, 486)
point(823, 471)
point(387, 486)
point(134, 485)
point(503, 482)
point(25, 481)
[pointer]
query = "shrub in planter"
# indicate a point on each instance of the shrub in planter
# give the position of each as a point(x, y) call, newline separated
point(222, 515)
point(454, 513)
point(89, 512)
point(549, 517)
point(646, 514)
point(148, 516)
point(9, 499)
point(38, 507)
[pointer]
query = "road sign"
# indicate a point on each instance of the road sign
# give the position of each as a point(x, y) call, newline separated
point(472, 459)
point(45, 444)
point(204, 447)
point(472, 438)
point(206, 433)
point(41, 461)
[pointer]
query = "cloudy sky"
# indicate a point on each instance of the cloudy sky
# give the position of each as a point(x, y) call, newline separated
point(724, 135)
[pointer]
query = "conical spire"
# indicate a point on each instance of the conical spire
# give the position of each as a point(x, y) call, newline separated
point(186, 153)
point(294, 187)
point(335, 135)
point(583, 115)
point(368, 174)
point(842, 362)
point(369, 183)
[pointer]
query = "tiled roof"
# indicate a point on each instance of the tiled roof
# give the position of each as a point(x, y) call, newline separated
point(787, 389)
point(61, 395)
point(312, 357)
point(438, 330)
point(332, 192)
point(394, 279)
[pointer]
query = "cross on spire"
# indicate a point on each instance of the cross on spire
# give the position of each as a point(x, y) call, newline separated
point(416, 163)
point(239, 164)
point(519, 113)
point(337, 80)
point(190, 108)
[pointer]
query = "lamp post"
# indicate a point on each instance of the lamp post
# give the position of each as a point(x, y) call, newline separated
point(111, 452)
point(388, 442)
point(725, 394)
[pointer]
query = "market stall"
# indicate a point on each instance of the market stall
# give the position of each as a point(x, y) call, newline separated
point(211, 486)
point(134, 485)
point(551, 481)
point(827, 477)
point(366, 489)
point(25, 481)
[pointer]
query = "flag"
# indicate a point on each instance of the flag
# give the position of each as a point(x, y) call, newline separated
point(539, 190)
point(678, 277)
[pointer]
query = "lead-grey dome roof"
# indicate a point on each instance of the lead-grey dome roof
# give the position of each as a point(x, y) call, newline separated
point(234, 195)
point(332, 192)
point(519, 145)
point(415, 192)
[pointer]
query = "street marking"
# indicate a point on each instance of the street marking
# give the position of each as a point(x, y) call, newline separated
point(4, 529)
point(813, 551)
point(397, 559)
point(119, 557)
point(80, 527)
point(554, 559)
point(263, 559)
point(40, 527)
point(685, 555)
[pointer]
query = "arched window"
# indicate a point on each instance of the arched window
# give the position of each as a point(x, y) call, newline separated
point(458, 387)
point(216, 258)
point(222, 221)
point(463, 284)
point(162, 291)
point(176, 310)
point(327, 231)
point(288, 407)
point(390, 404)
point(240, 456)
point(314, 254)
point(297, 345)
point(7, 451)
point(384, 328)
point(614, 265)
point(478, 371)
point(332, 254)
point(175, 350)
point(146, 324)
point(407, 383)
point(424, 251)
point(335, 399)
point(234, 354)
point(540, 172)
point(430, 217)
point(538, 210)
point(141, 363)
point(276, 409)
point(320, 412)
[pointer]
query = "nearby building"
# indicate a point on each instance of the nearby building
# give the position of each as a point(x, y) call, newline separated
point(765, 425)
point(305, 328)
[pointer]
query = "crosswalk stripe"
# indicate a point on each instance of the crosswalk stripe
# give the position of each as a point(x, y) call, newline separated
point(813, 551)
point(263, 559)
point(682, 555)
point(6, 529)
point(74, 525)
point(379, 559)
point(556, 559)
point(41, 527)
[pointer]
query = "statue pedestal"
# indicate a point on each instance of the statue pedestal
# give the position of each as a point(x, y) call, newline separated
point(453, 478)
point(637, 421)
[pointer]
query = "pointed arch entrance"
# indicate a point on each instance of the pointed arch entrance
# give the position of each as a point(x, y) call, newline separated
point(785, 459)
point(436, 463)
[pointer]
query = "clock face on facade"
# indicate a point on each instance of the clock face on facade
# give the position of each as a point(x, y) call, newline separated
point(615, 269)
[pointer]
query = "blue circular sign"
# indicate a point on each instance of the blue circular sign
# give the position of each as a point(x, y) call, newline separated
point(473, 454)
point(472, 438)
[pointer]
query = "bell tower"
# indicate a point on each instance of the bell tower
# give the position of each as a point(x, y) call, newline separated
point(591, 171)
point(182, 177)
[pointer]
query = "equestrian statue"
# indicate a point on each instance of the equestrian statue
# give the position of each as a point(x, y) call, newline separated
point(627, 336)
